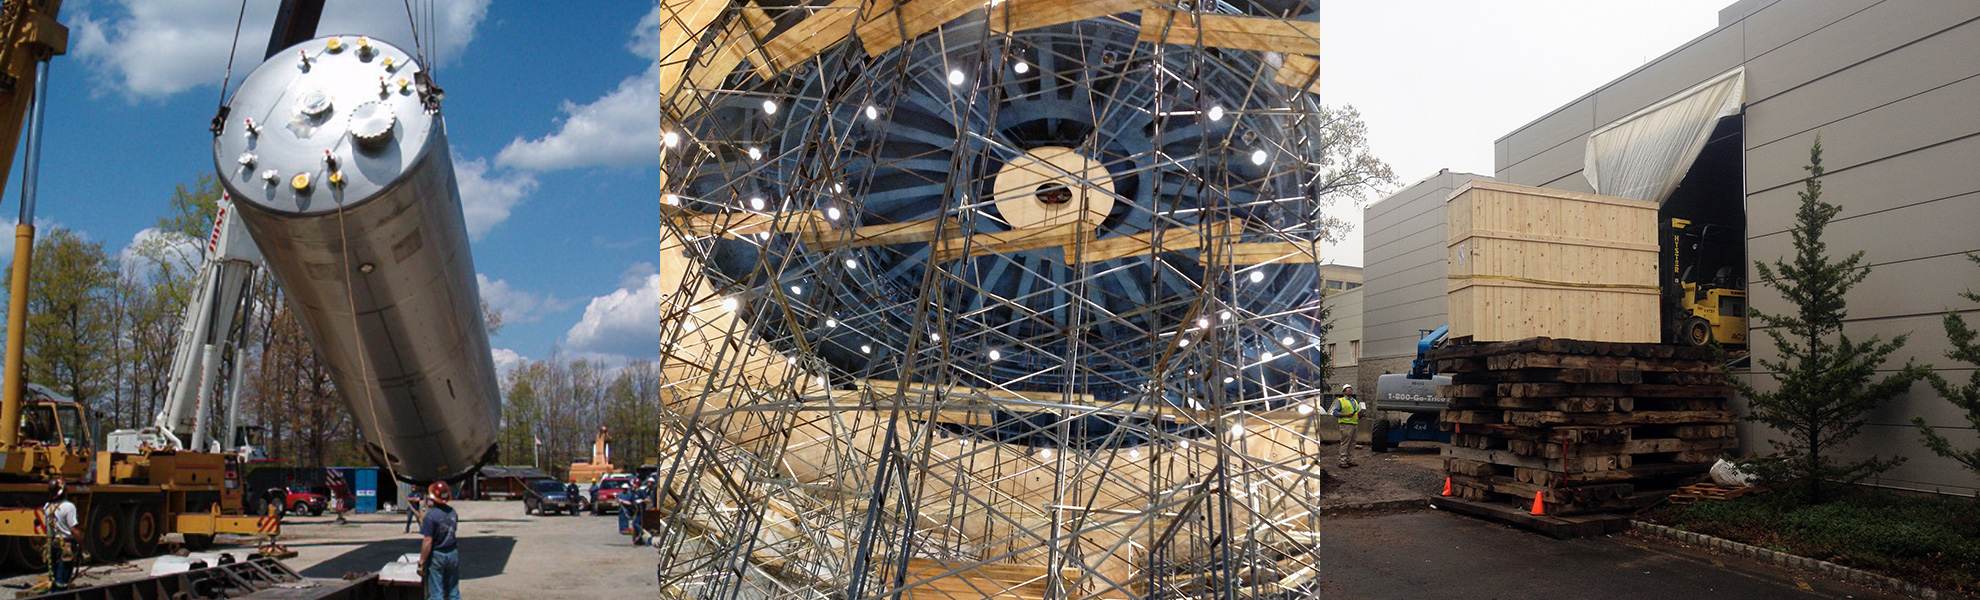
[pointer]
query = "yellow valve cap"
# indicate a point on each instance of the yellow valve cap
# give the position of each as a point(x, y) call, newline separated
point(388, 63)
point(300, 182)
point(337, 178)
point(334, 44)
point(364, 42)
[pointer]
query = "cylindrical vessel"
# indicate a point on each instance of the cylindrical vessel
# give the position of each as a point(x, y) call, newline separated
point(344, 180)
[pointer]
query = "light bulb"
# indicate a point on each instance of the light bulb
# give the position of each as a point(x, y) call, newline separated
point(872, 112)
point(671, 139)
point(838, 188)
point(1182, 343)
point(1288, 340)
point(797, 290)
point(1202, 323)
point(790, 361)
point(765, 236)
point(866, 348)
point(1258, 157)
point(1021, 67)
point(832, 213)
point(934, 337)
point(955, 77)
point(1265, 356)
point(831, 323)
point(995, 355)
point(1257, 276)
point(756, 203)
point(1134, 453)
point(1229, 379)
point(730, 303)
point(1216, 113)
point(755, 153)
point(1045, 453)
point(852, 264)
point(769, 107)
point(671, 200)
point(821, 381)
point(1224, 316)
point(1305, 409)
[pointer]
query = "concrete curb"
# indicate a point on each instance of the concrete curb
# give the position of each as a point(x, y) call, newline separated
point(1819, 567)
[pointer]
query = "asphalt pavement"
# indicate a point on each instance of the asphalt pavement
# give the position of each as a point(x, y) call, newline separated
point(1433, 554)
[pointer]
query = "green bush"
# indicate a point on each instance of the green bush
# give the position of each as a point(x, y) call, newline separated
point(1935, 542)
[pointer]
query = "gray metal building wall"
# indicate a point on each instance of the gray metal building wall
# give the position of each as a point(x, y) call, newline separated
point(1893, 88)
point(1403, 248)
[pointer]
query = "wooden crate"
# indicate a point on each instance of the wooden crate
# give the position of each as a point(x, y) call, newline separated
point(1530, 262)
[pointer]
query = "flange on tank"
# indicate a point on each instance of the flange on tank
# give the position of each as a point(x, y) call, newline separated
point(344, 179)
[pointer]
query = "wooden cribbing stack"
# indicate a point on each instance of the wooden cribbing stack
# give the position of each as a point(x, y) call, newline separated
point(1589, 427)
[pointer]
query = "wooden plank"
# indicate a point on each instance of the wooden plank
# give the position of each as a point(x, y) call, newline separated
point(1570, 361)
point(1510, 459)
point(736, 43)
point(1543, 418)
point(883, 30)
point(883, 234)
point(681, 25)
point(1263, 34)
point(1019, 15)
point(1557, 526)
point(1000, 242)
point(1299, 71)
point(829, 26)
point(1173, 239)
point(1258, 253)
point(737, 224)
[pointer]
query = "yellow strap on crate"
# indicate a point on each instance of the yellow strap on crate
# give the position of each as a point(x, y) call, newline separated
point(1609, 286)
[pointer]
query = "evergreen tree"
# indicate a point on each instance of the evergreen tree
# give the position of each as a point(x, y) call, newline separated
point(1824, 378)
point(1966, 350)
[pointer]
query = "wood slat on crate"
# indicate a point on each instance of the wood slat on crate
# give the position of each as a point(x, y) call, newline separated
point(1544, 418)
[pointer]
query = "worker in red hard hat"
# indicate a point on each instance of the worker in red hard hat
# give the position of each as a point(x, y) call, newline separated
point(439, 563)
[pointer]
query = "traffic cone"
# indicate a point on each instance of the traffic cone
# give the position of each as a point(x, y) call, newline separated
point(1447, 486)
point(1538, 505)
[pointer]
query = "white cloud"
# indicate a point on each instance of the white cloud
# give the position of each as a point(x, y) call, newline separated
point(636, 274)
point(152, 247)
point(624, 323)
point(516, 305)
point(157, 48)
point(506, 360)
point(620, 129)
point(486, 200)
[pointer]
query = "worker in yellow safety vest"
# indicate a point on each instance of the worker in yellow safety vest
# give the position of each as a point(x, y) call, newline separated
point(1347, 411)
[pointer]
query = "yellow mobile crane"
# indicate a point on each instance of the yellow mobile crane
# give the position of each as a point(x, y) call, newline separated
point(127, 501)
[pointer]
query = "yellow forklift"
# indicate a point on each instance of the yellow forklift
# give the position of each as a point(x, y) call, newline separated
point(1703, 311)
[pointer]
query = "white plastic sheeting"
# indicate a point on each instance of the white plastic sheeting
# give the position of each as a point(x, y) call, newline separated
point(1643, 156)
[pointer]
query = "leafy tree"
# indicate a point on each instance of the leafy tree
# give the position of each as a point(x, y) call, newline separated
point(69, 325)
point(1824, 378)
point(1966, 350)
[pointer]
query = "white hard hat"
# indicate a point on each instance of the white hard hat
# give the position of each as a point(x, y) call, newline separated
point(1346, 387)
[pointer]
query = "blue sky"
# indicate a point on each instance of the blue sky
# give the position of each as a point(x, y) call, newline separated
point(552, 113)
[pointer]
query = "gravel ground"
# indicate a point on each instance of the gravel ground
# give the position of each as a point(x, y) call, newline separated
point(564, 556)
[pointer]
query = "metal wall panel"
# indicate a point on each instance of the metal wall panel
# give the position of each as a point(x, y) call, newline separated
point(1404, 249)
point(1873, 135)
point(1892, 77)
point(1704, 58)
point(1941, 171)
point(1886, 27)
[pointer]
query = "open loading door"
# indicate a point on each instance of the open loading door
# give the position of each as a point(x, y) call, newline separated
point(1687, 154)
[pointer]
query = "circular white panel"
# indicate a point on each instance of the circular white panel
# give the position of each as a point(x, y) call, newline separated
point(1053, 185)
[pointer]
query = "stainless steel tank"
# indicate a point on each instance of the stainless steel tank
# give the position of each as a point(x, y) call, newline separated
point(344, 179)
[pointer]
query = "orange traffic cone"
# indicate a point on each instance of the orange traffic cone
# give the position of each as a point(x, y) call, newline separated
point(1447, 486)
point(1538, 505)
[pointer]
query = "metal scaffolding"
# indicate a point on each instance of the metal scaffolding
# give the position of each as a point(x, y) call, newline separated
point(1014, 300)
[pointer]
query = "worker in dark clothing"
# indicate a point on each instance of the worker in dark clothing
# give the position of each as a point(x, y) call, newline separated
point(415, 506)
point(439, 563)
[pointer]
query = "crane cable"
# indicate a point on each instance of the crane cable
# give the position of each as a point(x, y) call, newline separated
point(364, 363)
point(227, 76)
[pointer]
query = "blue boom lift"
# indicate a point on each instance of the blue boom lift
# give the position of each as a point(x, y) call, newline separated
point(1414, 393)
